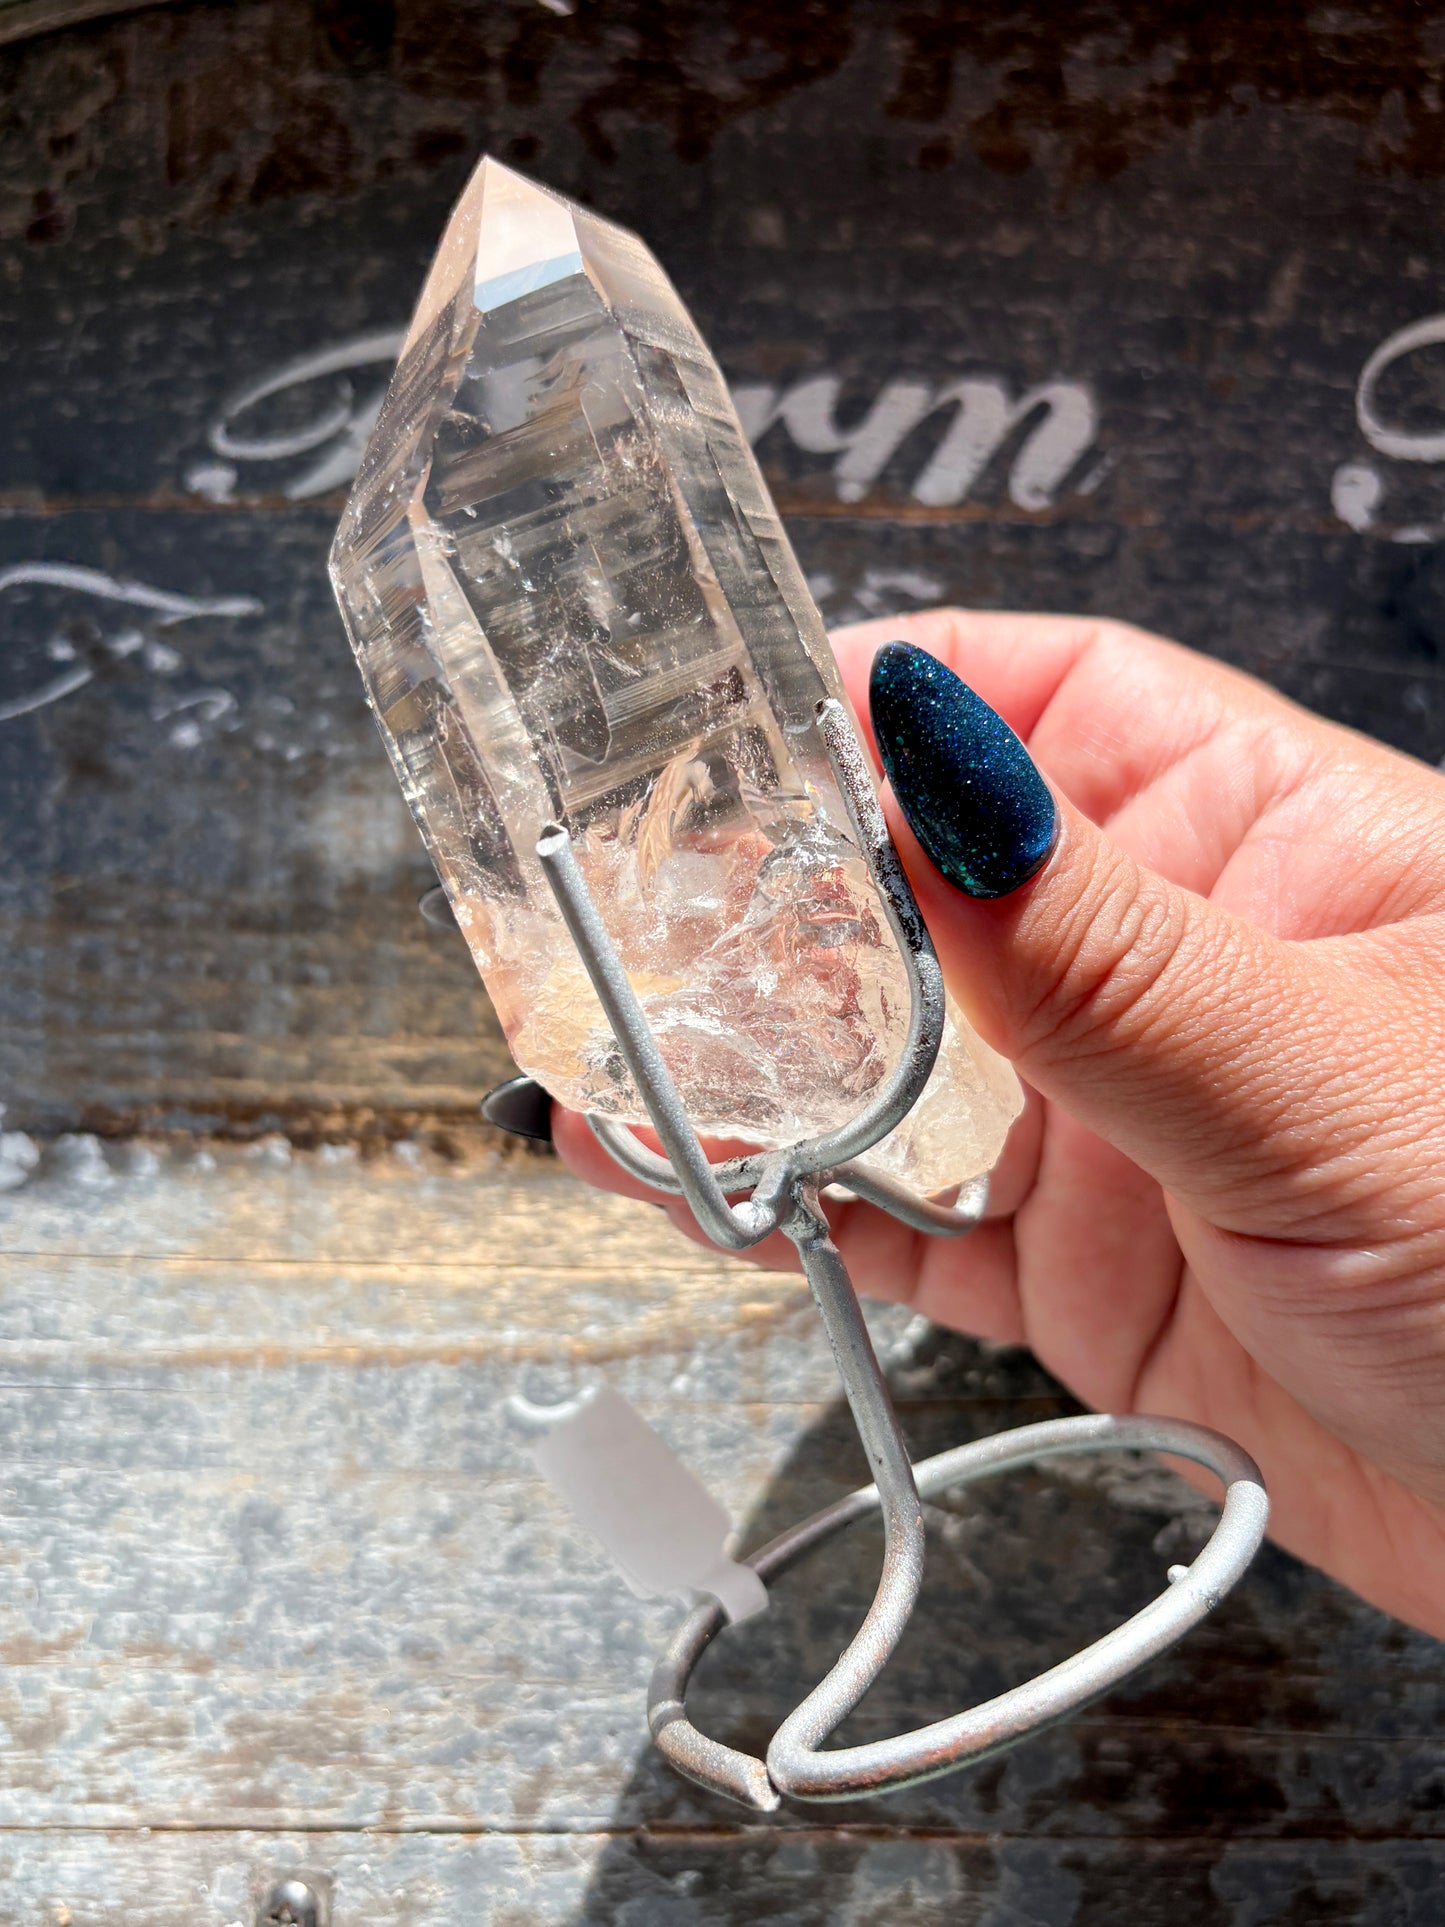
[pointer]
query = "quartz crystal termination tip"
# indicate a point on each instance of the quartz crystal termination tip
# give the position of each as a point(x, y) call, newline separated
point(572, 600)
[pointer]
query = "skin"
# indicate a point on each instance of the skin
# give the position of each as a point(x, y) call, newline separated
point(1225, 993)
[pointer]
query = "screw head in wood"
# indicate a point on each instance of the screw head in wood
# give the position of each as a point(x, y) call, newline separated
point(292, 1902)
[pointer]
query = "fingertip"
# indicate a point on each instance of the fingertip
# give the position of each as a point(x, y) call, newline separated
point(586, 1158)
point(1012, 1180)
point(571, 1138)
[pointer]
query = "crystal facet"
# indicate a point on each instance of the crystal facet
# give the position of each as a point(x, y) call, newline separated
point(572, 600)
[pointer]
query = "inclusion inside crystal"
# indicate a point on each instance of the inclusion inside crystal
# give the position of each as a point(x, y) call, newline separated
point(572, 600)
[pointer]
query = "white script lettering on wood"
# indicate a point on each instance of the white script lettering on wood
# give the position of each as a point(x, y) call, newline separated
point(1047, 429)
point(979, 416)
point(1357, 489)
point(334, 435)
point(63, 670)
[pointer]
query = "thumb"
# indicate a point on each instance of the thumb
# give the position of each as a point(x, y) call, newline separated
point(1171, 1028)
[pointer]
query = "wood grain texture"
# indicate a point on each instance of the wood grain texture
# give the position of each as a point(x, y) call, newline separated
point(698, 1879)
point(279, 1589)
point(275, 1560)
point(1183, 240)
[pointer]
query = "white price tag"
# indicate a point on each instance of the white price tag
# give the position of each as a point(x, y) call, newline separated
point(626, 1485)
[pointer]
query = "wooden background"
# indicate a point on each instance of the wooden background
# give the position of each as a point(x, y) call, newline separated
point(278, 1589)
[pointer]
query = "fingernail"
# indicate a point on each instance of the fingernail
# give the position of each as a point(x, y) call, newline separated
point(965, 782)
point(522, 1107)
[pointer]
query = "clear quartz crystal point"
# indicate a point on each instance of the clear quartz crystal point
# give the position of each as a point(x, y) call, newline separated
point(572, 600)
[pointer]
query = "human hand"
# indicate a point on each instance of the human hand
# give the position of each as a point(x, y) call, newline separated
point(1225, 991)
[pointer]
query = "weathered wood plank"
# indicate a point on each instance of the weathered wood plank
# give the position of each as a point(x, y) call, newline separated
point(272, 1555)
point(698, 1879)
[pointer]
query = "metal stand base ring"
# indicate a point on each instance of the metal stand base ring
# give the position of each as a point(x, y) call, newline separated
point(968, 1737)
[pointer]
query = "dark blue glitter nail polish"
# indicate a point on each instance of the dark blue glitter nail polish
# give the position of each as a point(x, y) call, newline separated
point(965, 782)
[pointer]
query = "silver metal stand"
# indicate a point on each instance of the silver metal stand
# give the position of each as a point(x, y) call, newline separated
point(778, 1191)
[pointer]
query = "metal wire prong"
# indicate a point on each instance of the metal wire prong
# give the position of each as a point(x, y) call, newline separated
point(863, 1179)
point(901, 1089)
point(736, 1174)
point(955, 1220)
point(734, 1227)
point(889, 1104)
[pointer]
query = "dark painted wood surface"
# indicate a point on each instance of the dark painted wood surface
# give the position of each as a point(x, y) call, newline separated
point(278, 1589)
point(1159, 251)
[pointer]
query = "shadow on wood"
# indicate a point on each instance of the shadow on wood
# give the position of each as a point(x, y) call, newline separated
point(1170, 1788)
